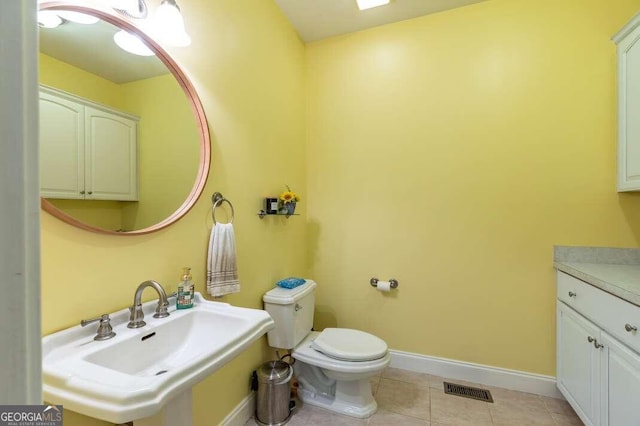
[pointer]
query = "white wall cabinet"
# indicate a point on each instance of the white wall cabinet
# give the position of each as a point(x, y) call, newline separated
point(628, 46)
point(598, 364)
point(87, 151)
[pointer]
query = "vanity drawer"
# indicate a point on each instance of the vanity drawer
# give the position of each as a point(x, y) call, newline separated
point(609, 312)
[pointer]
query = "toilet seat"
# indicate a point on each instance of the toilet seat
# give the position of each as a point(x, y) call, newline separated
point(305, 353)
point(349, 345)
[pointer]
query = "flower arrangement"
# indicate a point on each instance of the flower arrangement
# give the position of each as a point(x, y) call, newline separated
point(288, 200)
point(289, 196)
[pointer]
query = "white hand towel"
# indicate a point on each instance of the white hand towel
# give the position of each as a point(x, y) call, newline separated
point(222, 267)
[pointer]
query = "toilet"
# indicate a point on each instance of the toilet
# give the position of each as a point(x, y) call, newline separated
point(333, 367)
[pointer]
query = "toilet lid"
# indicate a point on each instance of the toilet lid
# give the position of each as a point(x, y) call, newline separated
point(349, 345)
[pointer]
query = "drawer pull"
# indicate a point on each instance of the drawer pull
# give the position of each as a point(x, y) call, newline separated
point(572, 294)
point(630, 328)
point(590, 339)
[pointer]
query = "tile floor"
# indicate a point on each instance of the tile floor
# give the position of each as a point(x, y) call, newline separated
point(406, 398)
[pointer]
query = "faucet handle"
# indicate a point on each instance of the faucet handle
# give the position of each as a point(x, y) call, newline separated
point(161, 309)
point(86, 322)
point(105, 331)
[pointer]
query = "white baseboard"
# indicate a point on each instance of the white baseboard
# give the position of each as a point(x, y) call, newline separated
point(242, 413)
point(476, 373)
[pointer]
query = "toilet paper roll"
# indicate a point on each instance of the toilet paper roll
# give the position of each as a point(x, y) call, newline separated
point(383, 286)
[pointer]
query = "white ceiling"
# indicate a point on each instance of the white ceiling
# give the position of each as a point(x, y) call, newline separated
point(318, 19)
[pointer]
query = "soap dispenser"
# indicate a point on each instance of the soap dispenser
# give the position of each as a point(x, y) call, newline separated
point(186, 290)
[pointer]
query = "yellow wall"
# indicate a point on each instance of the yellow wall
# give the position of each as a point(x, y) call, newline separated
point(58, 74)
point(452, 152)
point(168, 149)
point(103, 214)
point(247, 64)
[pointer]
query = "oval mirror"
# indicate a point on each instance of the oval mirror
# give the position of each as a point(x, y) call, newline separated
point(123, 151)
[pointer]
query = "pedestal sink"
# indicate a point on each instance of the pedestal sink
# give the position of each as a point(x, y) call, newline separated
point(134, 374)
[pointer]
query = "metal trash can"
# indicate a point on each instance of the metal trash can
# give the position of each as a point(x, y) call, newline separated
point(273, 407)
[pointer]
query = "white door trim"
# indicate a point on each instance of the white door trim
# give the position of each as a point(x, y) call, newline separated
point(20, 369)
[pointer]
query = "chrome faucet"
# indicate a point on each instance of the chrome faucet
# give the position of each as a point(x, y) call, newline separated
point(136, 319)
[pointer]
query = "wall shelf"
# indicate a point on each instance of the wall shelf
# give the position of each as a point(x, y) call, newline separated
point(262, 214)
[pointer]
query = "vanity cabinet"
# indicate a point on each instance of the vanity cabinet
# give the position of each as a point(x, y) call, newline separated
point(622, 375)
point(628, 47)
point(598, 359)
point(578, 364)
point(87, 151)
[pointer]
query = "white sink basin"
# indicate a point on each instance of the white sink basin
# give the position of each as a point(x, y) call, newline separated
point(135, 373)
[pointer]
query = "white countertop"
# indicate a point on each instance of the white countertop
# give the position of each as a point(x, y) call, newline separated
point(622, 280)
point(614, 270)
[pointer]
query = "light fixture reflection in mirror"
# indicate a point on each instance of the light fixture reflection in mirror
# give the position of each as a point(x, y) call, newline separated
point(48, 19)
point(165, 157)
point(131, 43)
point(77, 17)
point(166, 24)
point(136, 9)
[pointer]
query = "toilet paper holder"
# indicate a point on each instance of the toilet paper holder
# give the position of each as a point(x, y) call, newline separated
point(392, 281)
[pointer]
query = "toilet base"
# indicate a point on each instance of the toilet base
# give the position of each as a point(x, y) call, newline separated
point(352, 398)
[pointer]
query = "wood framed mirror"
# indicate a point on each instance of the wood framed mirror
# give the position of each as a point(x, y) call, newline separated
point(170, 153)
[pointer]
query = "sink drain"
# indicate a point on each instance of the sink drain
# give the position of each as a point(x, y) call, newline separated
point(161, 372)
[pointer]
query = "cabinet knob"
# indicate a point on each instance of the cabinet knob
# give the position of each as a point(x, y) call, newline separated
point(572, 294)
point(590, 339)
point(630, 328)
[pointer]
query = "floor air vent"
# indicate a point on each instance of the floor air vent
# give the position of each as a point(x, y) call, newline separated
point(467, 392)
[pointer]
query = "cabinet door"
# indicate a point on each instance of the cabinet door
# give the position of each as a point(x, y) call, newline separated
point(628, 111)
point(112, 172)
point(621, 376)
point(578, 364)
point(61, 148)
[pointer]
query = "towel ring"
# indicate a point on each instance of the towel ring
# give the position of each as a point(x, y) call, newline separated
point(217, 199)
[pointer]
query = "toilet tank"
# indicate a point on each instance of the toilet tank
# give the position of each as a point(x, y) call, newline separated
point(292, 311)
